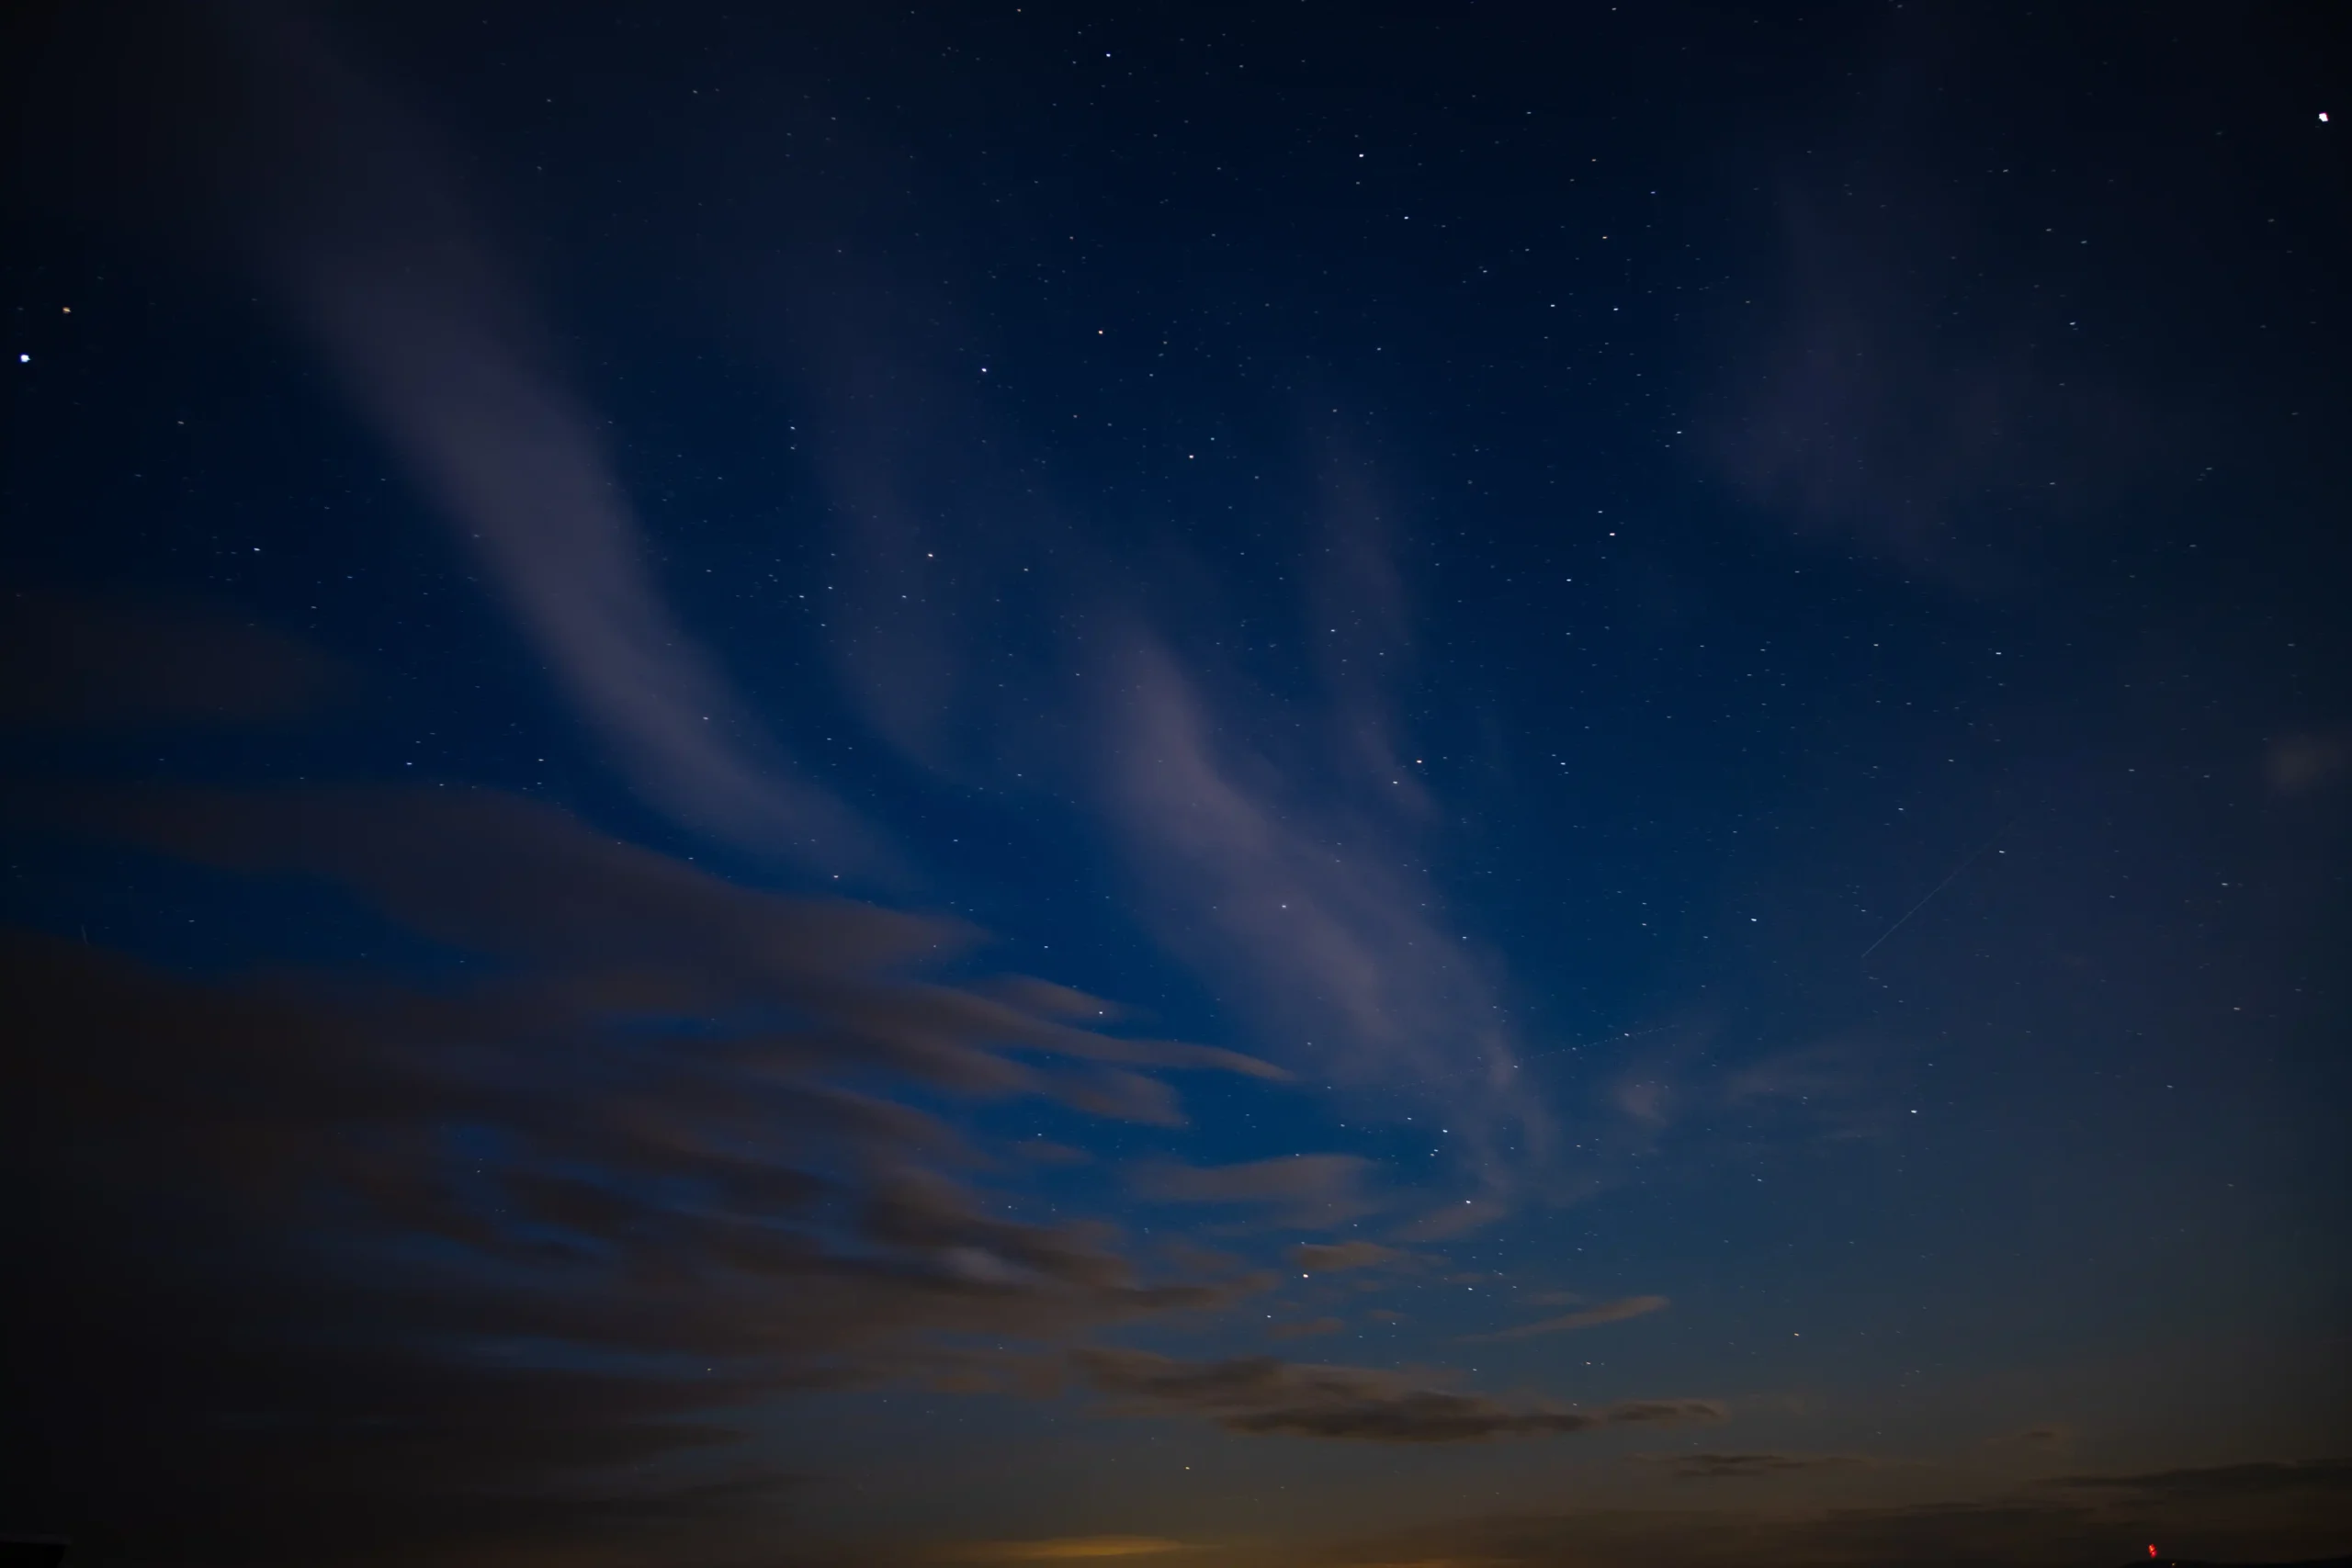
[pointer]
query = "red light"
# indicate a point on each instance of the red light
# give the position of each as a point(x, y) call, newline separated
point(2151, 1552)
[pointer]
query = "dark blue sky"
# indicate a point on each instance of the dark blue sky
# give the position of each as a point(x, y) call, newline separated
point(1003, 783)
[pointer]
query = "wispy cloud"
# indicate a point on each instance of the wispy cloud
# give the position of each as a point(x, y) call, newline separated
point(1282, 847)
point(1318, 916)
point(1607, 1312)
point(372, 237)
point(1902, 395)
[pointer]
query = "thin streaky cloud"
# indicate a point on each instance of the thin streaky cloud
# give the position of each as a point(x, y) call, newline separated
point(1321, 918)
point(1607, 1312)
point(387, 269)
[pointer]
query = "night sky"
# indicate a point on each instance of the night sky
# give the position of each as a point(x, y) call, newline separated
point(1291, 785)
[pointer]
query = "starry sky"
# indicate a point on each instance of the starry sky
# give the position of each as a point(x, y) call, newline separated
point(1296, 783)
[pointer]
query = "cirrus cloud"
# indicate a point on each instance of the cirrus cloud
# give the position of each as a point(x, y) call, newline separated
point(1607, 1312)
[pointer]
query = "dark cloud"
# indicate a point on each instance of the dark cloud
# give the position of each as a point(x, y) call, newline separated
point(2106, 1519)
point(1261, 1394)
point(2044, 1436)
point(1317, 1257)
point(1940, 1536)
point(1311, 1328)
point(1311, 1190)
point(113, 661)
point(479, 1237)
point(1607, 1312)
point(1064, 1549)
point(2223, 1482)
point(607, 923)
point(1046, 1151)
point(1743, 1466)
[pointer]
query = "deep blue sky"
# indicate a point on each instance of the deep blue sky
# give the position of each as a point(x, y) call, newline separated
point(1001, 784)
